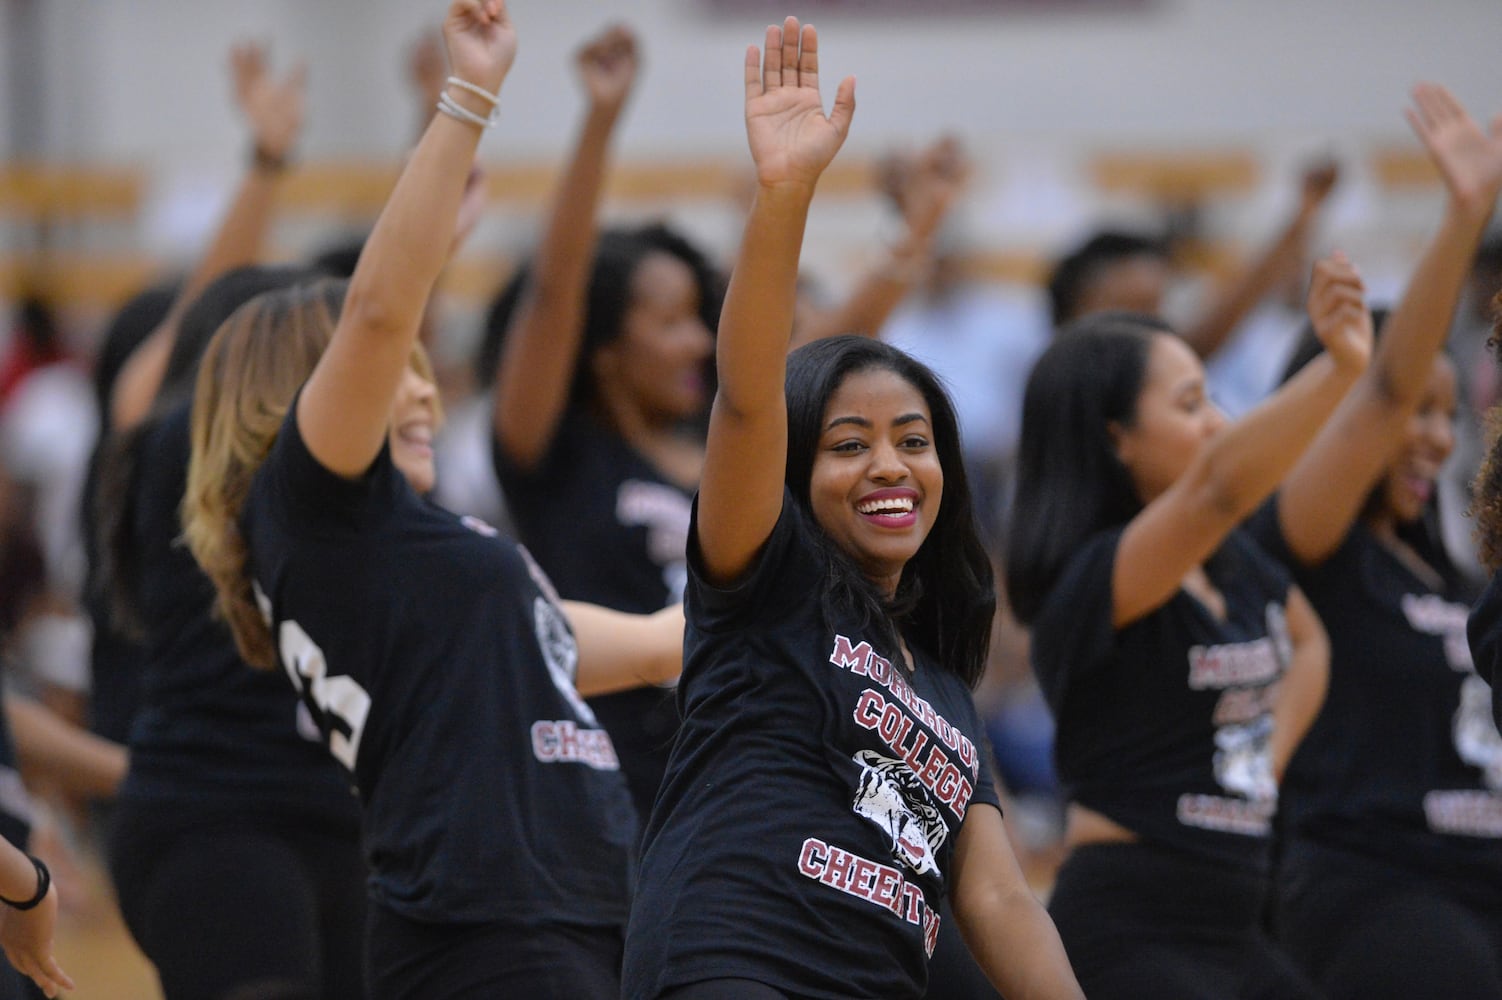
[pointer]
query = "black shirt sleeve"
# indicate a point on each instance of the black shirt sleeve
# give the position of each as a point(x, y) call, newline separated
point(1073, 632)
point(784, 573)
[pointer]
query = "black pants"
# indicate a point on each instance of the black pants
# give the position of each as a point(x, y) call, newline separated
point(411, 960)
point(1148, 922)
point(1362, 930)
point(239, 906)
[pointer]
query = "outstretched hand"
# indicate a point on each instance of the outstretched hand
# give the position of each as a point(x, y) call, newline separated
point(26, 936)
point(1338, 310)
point(791, 139)
point(273, 107)
point(932, 184)
point(1469, 159)
point(481, 42)
point(607, 65)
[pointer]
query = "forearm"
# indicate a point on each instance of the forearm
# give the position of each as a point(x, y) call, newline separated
point(880, 290)
point(1247, 461)
point(1251, 285)
point(760, 301)
point(1417, 328)
point(542, 347)
point(409, 245)
point(50, 746)
point(618, 651)
point(1016, 945)
point(1300, 695)
point(237, 242)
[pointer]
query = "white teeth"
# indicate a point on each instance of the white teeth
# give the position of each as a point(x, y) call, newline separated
point(893, 505)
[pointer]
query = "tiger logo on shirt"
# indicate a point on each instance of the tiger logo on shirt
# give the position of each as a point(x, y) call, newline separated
point(891, 796)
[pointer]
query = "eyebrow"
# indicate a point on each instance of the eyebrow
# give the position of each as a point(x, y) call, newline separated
point(906, 418)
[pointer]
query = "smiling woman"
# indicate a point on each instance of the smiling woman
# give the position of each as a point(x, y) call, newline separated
point(833, 525)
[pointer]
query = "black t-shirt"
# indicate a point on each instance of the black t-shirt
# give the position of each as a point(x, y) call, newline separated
point(1484, 635)
point(805, 829)
point(1164, 725)
point(436, 660)
point(1403, 767)
point(608, 528)
point(210, 729)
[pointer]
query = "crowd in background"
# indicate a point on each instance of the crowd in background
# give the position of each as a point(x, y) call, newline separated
point(527, 412)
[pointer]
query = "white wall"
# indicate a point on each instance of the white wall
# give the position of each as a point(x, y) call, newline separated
point(143, 81)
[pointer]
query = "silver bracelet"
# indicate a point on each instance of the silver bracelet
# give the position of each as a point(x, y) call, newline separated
point(454, 109)
point(475, 89)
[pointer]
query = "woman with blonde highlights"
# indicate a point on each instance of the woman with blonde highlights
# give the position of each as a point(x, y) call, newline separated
point(434, 656)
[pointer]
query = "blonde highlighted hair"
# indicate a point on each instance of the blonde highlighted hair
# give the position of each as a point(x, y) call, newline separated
point(250, 374)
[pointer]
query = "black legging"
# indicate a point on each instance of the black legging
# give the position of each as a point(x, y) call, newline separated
point(1143, 921)
point(1361, 930)
point(240, 908)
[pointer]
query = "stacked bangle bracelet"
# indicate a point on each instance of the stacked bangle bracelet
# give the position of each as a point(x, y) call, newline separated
point(454, 109)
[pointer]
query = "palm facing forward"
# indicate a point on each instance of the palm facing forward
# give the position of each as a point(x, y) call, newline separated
point(791, 139)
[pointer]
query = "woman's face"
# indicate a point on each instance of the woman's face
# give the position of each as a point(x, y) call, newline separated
point(660, 358)
point(1175, 418)
point(877, 481)
point(1408, 484)
point(414, 422)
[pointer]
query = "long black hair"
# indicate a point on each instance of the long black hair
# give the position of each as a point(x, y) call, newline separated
point(1425, 535)
point(618, 253)
point(946, 597)
point(114, 512)
point(1070, 481)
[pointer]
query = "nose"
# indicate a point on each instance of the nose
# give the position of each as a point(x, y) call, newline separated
point(701, 340)
point(1215, 420)
point(887, 463)
point(1438, 433)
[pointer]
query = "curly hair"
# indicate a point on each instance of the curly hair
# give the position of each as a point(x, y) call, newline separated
point(1486, 488)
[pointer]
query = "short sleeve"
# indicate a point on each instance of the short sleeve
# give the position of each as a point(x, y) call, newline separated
point(299, 488)
point(1072, 634)
point(786, 572)
point(1266, 531)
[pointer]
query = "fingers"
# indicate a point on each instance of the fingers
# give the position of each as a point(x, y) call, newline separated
point(844, 107)
point(754, 87)
point(771, 69)
point(808, 58)
point(789, 60)
point(1336, 292)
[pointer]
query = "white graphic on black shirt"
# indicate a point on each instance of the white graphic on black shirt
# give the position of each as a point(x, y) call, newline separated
point(1243, 759)
point(1466, 812)
point(664, 511)
point(1246, 674)
point(890, 795)
point(1476, 739)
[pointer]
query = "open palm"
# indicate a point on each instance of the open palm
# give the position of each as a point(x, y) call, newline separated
point(791, 138)
point(1467, 156)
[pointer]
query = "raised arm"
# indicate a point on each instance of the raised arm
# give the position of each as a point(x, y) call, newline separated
point(345, 407)
point(1003, 924)
point(542, 346)
point(924, 188)
point(1325, 492)
point(1278, 260)
point(791, 141)
point(618, 650)
point(1243, 464)
point(274, 110)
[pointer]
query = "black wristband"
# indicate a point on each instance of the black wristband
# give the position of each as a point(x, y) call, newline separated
point(44, 882)
point(262, 159)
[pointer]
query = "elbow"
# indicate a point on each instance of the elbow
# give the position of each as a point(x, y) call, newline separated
point(1221, 491)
